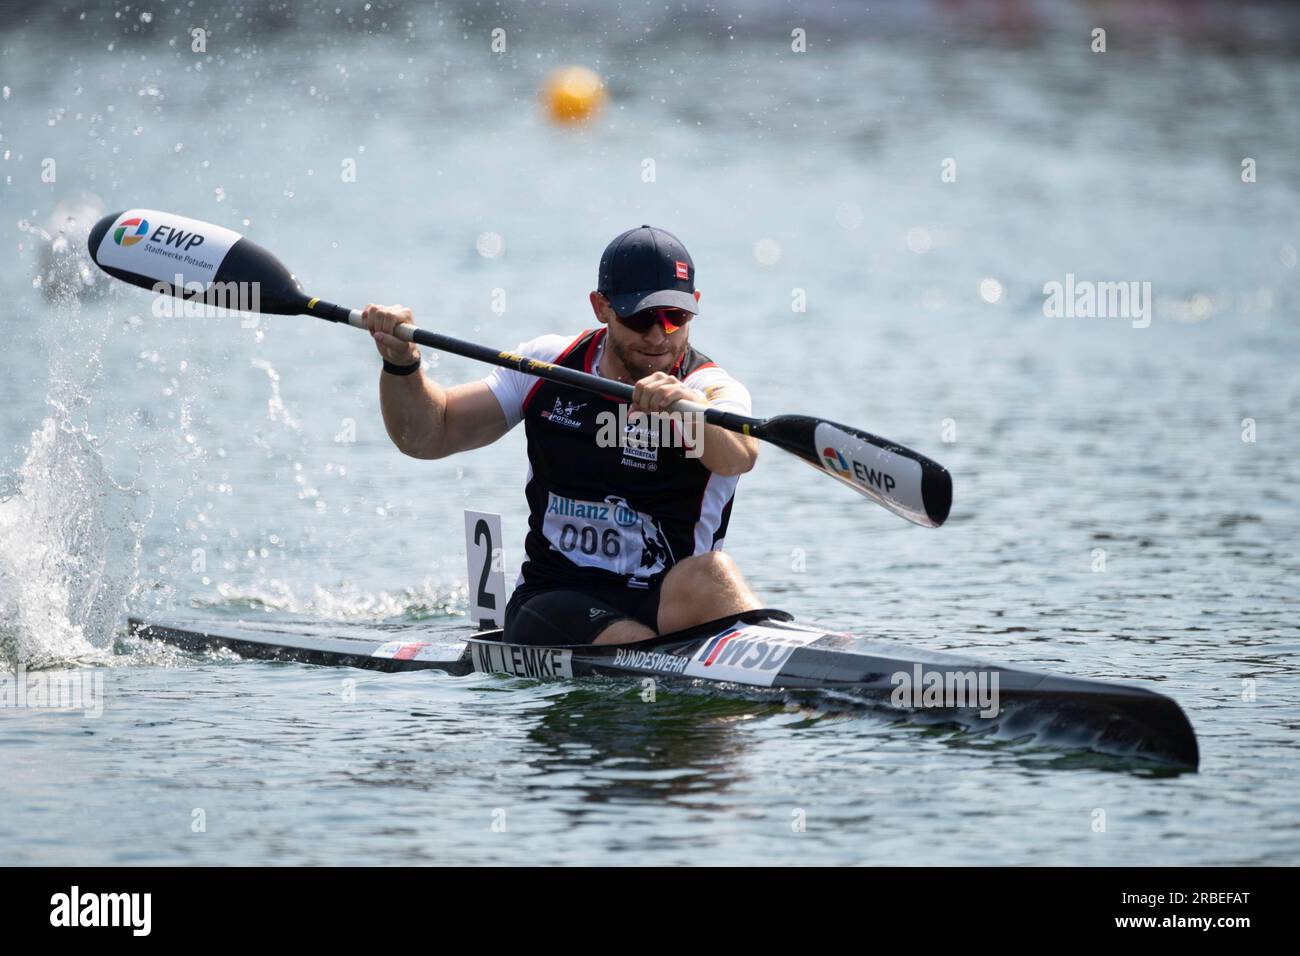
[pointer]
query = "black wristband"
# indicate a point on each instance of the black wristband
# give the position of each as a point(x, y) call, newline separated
point(392, 369)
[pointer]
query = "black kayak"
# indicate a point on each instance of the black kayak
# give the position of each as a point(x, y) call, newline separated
point(754, 650)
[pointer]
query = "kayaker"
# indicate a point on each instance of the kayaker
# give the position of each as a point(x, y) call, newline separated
point(624, 536)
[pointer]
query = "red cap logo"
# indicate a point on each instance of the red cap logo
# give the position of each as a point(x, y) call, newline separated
point(683, 271)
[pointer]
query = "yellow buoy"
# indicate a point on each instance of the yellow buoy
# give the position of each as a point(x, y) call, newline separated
point(573, 94)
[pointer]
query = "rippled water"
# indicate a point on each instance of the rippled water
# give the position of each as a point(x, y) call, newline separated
point(1109, 518)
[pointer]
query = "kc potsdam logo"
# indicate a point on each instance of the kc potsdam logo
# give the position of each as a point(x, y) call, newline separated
point(130, 231)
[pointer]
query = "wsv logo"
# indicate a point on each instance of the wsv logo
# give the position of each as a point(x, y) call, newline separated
point(130, 231)
point(735, 648)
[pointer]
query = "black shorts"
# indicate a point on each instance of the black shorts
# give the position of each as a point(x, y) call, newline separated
point(545, 615)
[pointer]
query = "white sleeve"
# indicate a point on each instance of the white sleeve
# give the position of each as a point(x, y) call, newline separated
point(711, 380)
point(510, 387)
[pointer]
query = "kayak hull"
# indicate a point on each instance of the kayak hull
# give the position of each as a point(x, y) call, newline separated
point(758, 650)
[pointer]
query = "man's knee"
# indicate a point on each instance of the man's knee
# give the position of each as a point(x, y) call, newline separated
point(713, 566)
point(704, 578)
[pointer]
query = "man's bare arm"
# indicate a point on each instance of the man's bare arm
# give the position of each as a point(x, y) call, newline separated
point(726, 452)
point(423, 419)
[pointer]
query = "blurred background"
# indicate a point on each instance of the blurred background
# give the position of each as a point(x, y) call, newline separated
point(875, 199)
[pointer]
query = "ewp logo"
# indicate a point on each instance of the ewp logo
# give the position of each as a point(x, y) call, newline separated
point(130, 231)
point(836, 463)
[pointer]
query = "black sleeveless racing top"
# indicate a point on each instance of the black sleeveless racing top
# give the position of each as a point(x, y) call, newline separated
point(613, 500)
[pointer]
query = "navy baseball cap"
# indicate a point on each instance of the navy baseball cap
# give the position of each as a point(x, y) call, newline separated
point(646, 267)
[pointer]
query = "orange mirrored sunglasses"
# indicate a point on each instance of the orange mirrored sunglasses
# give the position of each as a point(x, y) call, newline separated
point(670, 319)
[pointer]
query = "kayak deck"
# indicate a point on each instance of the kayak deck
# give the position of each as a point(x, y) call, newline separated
point(758, 649)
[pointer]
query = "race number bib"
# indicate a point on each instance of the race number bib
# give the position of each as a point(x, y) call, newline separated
point(607, 534)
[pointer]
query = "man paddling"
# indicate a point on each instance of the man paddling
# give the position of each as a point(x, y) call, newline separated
point(624, 538)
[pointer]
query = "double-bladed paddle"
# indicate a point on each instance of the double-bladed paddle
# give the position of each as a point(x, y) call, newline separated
point(190, 259)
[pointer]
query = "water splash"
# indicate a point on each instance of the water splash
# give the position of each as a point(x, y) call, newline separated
point(65, 271)
point(69, 545)
point(276, 410)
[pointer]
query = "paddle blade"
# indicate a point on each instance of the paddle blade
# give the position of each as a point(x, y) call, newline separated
point(191, 259)
point(907, 483)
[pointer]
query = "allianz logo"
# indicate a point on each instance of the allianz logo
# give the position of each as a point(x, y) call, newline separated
point(617, 512)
